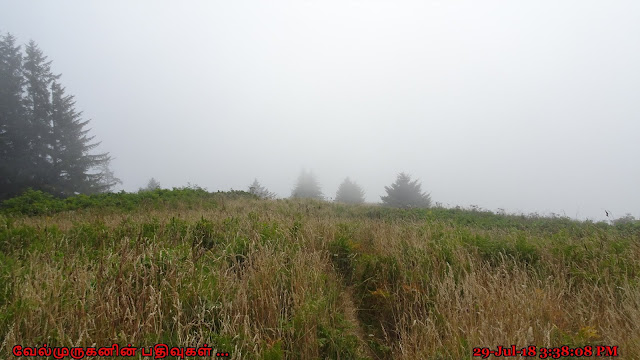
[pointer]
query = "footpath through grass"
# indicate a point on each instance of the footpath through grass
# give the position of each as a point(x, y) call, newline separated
point(284, 279)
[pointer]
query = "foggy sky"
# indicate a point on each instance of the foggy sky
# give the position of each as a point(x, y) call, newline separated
point(526, 106)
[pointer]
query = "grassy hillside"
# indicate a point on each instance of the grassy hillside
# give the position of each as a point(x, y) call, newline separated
point(286, 279)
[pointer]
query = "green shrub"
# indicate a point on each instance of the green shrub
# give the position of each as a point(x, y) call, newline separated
point(273, 352)
point(335, 342)
point(204, 234)
point(342, 251)
point(32, 202)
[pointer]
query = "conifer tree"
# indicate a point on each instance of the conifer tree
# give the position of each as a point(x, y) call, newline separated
point(257, 189)
point(43, 140)
point(72, 164)
point(404, 193)
point(307, 187)
point(152, 184)
point(38, 78)
point(349, 192)
point(14, 137)
point(107, 177)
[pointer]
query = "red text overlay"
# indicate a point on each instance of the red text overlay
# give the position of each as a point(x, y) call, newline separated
point(158, 351)
point(547, 353)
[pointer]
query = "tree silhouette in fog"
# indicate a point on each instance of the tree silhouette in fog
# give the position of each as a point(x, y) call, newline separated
point(307, 187)
point(349, 192)
point(257, 189)
point(405, 194)
point(152, 184)
point(44, 141)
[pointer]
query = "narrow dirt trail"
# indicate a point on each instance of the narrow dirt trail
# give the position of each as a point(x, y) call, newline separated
point(351, 315)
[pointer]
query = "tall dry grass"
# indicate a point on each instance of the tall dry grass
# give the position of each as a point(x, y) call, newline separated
point(310, 280)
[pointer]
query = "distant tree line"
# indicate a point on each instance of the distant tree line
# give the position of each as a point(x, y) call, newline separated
point(403, 193)
point(44, 141)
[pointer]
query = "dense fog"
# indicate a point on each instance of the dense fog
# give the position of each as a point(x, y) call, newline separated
point(522, 106)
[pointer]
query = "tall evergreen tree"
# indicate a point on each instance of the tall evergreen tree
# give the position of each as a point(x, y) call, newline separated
point(307, 187)
point(72, 164)
point(14, 136)
point(405, 194)
point(43, 139)
point(39, 78)
point(349, 192)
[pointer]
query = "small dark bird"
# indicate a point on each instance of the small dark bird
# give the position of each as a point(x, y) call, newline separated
point(606, 212)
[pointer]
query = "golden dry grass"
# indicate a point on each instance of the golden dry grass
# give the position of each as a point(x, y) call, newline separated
point(310, 280)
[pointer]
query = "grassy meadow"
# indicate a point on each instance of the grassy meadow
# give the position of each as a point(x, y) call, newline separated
point(295, 279)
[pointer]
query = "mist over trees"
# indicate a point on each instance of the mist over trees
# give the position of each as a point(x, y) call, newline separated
point(307, 187)
point(44, 142)
point(257, 189)
point(626, 219)
point(152, 184)
point(349, 192)
point(405, 194)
